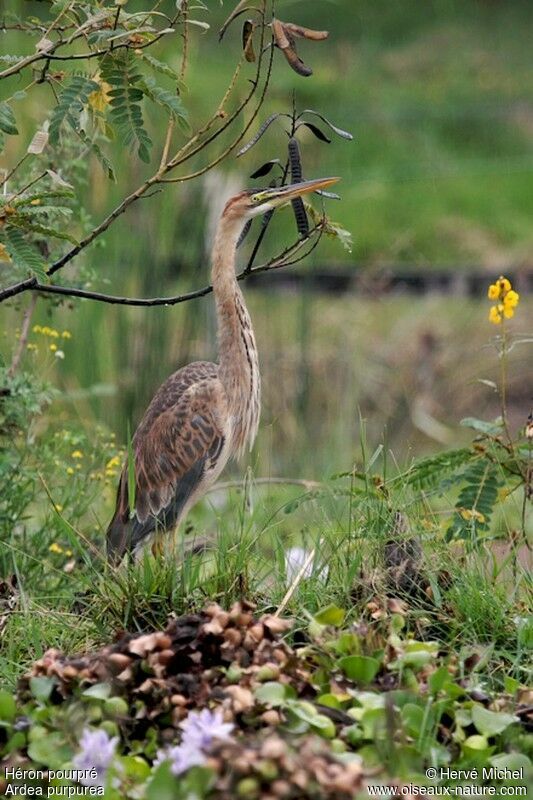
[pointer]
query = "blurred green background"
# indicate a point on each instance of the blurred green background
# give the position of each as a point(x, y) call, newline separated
point(439, 97)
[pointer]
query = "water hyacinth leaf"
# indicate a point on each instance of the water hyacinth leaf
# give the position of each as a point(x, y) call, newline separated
point(264, 127)
point(274, 694)
point(49, 750)
point(331, 615)
point(247, 40)
point(511, 761)
point(265, 168)
point(8, 123)
point(316, 131)
point(475, 744)
point(99, 691)
point(8, 707)
point(41, 688)
point(362, 669)
point(339, 131)
point(491, 723)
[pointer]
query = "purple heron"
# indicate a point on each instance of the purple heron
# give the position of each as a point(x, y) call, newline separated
point(204, 413)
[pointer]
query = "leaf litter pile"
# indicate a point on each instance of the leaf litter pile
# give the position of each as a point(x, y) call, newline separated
point(340, 708)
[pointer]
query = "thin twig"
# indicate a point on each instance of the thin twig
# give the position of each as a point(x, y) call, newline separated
point(23, 338)
point(70, 291)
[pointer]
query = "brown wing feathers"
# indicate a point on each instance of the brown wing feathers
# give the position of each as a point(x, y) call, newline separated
point(179, 438)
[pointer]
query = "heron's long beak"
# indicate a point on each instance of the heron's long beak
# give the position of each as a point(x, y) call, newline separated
point(283, 194)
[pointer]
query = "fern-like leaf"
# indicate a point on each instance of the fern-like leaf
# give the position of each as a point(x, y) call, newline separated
point(476, 501)
point(71, 101)
point(429, 473)
point(119, 70)
point(169, 101)
point(22, 253)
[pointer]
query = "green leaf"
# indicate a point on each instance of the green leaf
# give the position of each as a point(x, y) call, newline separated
point(99, 691)
point(163, 785)
point(41, 688)
point(49, 750)
point(71, 101)
point(512, 761)
point(274, 694)
point(491, 723)
point(95, 149)
point(476, 743)
point(330, 615)
point(24, 223)
point(362, 669)
point(168, 100)
point(439, 679)
point(8, 123)
point(413, 719)
point(159, 66)
point(121, 72)
point(22, 253)
point(481, 425)
point(8, 707)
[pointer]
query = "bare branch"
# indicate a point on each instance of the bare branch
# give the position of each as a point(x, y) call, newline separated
point(283, 259)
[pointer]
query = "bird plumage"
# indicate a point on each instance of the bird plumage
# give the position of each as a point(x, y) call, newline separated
point(204, 413)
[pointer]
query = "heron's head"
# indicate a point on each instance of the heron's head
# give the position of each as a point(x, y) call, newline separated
point(253, 202)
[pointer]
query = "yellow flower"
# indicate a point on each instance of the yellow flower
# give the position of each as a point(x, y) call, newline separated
point(58, 507)
point(66, 335)
point(511, 298)
point(70, 471)
point(508, 299)
point(494, 315)
point(53, 347)
point(55, 548)
point(37, 329)
point(76, 454)
point(113, 462)
point(31, 346)
point(504, 284)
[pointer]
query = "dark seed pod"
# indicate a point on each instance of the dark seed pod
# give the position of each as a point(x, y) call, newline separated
point(300, 215)
point(247, 40)
point(295, 163)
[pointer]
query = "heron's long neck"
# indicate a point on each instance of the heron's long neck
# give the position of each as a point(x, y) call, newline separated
point(238, 361)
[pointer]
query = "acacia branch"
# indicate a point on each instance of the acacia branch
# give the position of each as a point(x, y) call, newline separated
point(183, 155)
point(283, 259)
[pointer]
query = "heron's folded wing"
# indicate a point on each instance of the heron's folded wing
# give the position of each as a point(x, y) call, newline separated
point(173, 451)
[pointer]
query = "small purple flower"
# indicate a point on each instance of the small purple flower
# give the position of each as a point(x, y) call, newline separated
point(96, 754)
point(201, 727)
point(182, 757)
